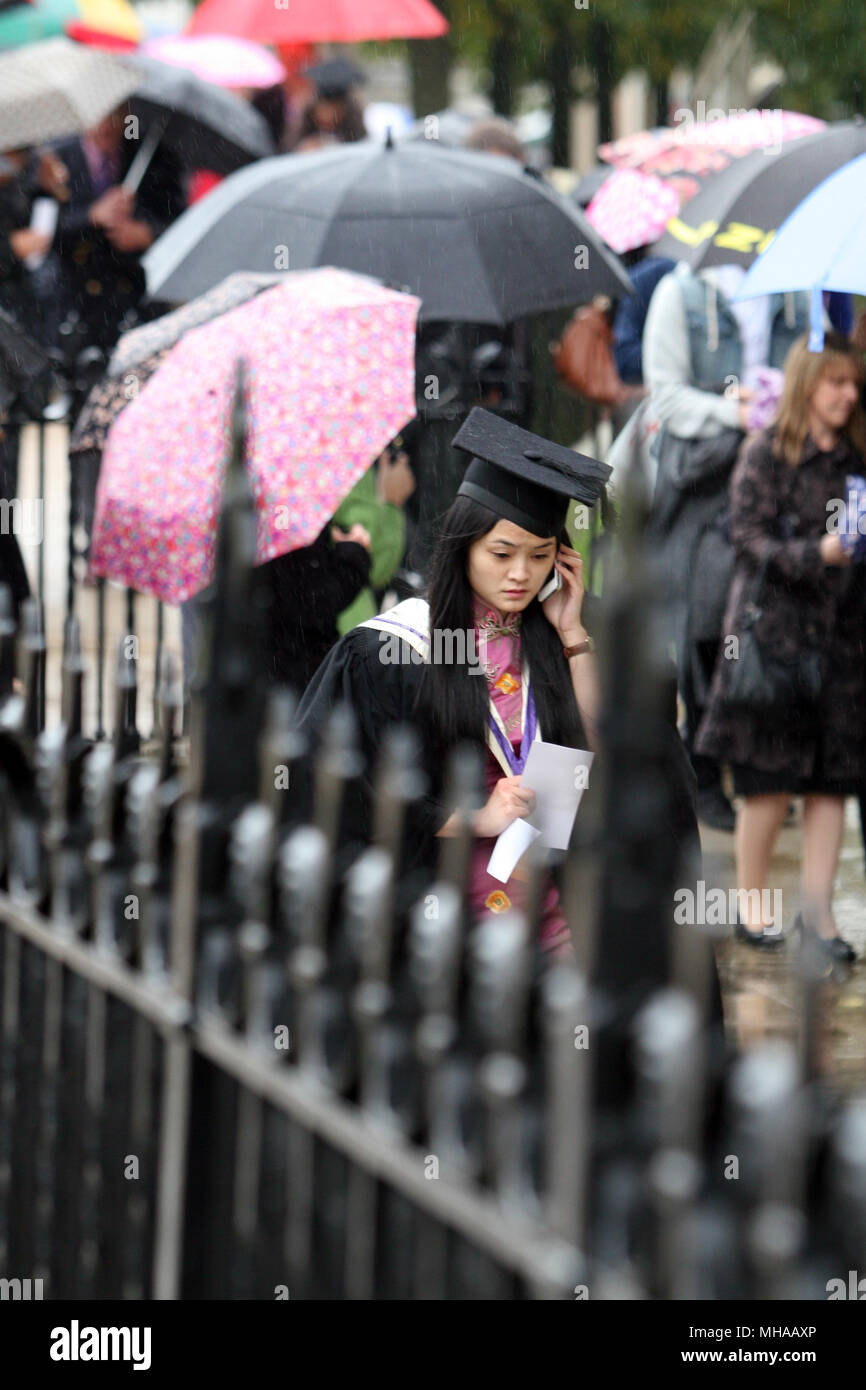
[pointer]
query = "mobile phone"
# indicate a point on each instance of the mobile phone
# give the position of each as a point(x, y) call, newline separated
point(553, 583)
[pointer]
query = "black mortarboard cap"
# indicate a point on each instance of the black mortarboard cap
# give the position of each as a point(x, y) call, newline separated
point(522, 477)
point(335, 77)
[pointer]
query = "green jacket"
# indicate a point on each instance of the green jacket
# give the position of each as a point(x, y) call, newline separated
point(386, 525)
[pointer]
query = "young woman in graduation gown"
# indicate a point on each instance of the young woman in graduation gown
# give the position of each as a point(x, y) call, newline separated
point(535, 670)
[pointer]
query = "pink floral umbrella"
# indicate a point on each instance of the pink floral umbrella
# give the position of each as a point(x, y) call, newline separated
point(686, 154)
point(739, 133)
point(331, 379)
point(632, 209)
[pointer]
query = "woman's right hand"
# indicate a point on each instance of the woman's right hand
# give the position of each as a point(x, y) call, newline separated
point(508, 802)
point(832, 552)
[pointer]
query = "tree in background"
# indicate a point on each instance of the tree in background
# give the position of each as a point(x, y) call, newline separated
point(580, 48)
point(658, 36)
point(821, 46)
point(430, 68)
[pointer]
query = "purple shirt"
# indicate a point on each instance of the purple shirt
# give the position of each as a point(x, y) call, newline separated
point(104, 168)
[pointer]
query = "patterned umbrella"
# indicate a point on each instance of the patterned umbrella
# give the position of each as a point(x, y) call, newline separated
point(631, 209)
point(141, 343)
point(109, 396)
point(687, 154)
point(331, 374)
point(58, 88)
point(141, 350)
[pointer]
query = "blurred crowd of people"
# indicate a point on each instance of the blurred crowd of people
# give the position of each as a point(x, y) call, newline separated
point(81, 285)
point(751, 441)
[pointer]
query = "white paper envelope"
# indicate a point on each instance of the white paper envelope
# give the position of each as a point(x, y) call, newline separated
point(509, 849)
point(43, 218)
point(558, 776)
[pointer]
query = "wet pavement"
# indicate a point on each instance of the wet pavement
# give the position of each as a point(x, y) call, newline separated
point(763, 990)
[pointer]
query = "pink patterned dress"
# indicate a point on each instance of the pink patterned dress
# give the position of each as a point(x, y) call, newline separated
point(498, 641)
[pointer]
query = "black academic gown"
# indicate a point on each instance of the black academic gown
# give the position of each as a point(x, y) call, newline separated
point(383, 694)
point(308, 590)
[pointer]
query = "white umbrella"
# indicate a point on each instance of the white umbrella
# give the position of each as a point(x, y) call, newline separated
point(57, 88)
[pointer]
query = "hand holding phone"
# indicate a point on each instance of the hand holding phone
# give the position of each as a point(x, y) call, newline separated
point(564, 601)
point(553, 584)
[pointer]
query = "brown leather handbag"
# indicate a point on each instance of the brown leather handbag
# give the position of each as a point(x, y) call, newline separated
point(584, 359)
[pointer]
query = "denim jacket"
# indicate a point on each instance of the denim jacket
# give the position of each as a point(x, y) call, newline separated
point(714, 334)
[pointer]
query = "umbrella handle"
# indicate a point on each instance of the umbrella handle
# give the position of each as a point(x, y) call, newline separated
point(816, 319)
point(139, 166)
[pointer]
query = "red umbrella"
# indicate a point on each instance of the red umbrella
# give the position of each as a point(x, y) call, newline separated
point(319, 21)
point(99, 38)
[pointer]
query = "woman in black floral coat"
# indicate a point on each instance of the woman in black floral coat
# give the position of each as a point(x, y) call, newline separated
point(783, 491)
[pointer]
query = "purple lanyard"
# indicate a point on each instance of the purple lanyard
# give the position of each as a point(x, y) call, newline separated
point(517, 764)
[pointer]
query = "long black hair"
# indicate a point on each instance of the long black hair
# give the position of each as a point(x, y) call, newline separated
point(453, 701)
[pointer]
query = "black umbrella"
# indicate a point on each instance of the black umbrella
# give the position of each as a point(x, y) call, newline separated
point(204, 126)
point(588, 184)
point(26, 370)
point(475, 237)
point(733, 217)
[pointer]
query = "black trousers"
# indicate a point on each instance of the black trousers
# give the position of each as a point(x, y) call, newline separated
point(12, 571)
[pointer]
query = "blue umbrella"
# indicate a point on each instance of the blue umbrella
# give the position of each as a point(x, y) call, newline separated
point(820, 246)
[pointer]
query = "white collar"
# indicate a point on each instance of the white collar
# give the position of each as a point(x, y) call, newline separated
point(410, 621)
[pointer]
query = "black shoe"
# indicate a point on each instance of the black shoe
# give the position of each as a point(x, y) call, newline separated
point(832, 946)
point(766, 939)
point(715, 809)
